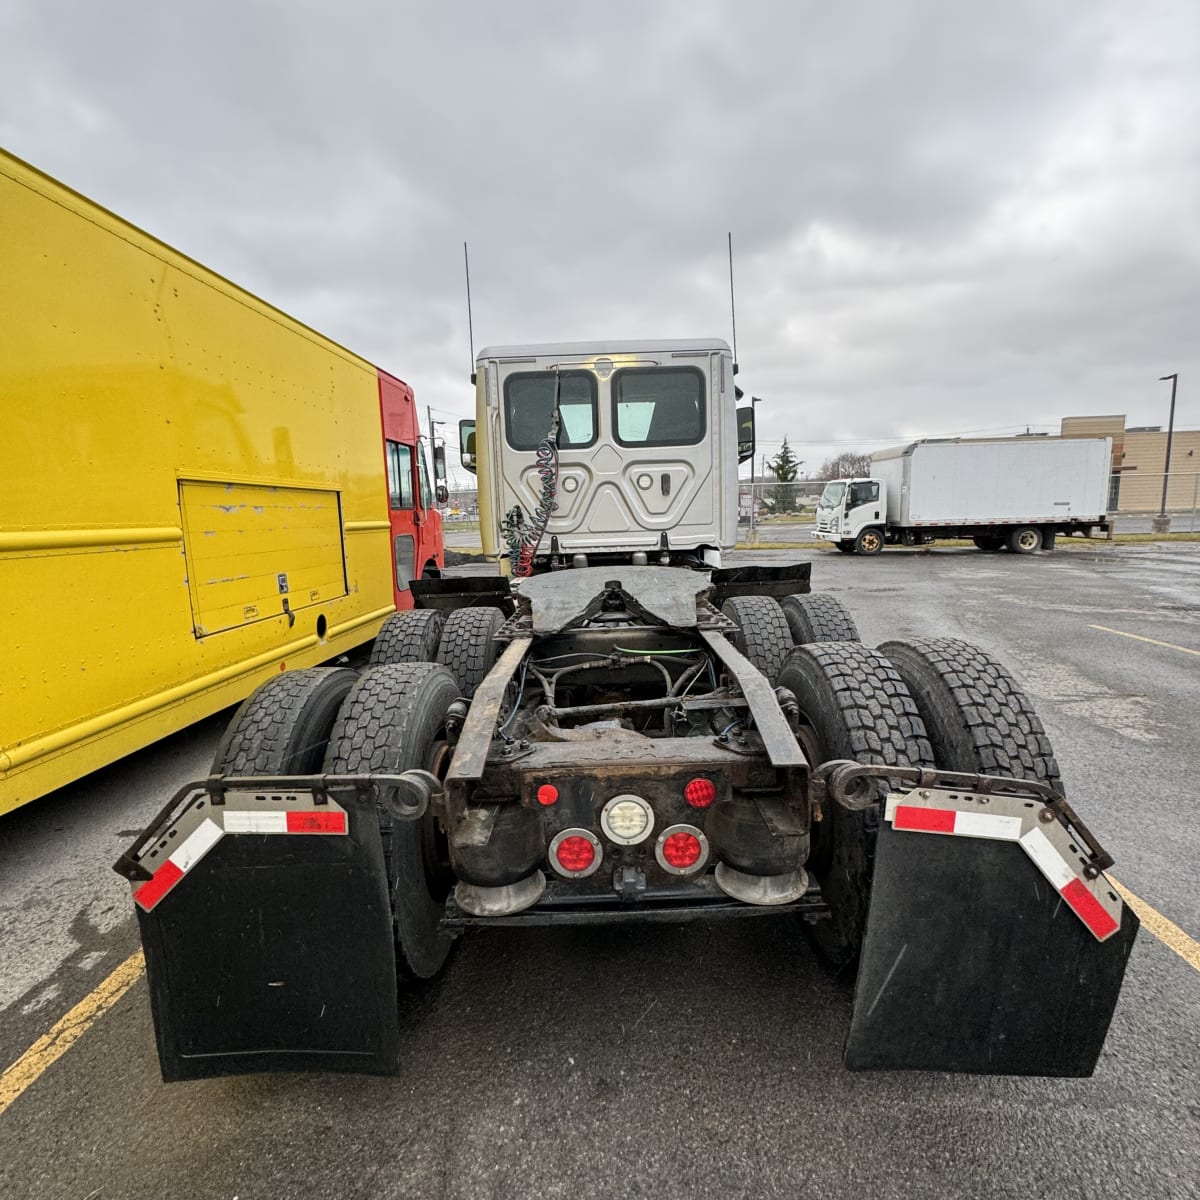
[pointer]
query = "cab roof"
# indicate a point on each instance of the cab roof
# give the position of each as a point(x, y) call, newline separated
point(594, 349)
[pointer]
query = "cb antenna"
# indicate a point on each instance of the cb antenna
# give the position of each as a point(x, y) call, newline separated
point(732, 309)
point(470, 326)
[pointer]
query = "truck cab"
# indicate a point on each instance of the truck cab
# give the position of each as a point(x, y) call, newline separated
point(606, 452)
point(853, 511)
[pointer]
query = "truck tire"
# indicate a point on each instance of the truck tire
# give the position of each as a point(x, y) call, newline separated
point(869, 541)
point(989, 542)
point(1049, 536)
point(282, 727)
point(1024, 539)
point(468, 647)
point(762, 634)
point(978, 717)
point(409, 636)
point(853, 704)
point(818, 617)
point(394, 720)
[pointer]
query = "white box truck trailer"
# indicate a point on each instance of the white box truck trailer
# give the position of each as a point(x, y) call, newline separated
point(1012, 493)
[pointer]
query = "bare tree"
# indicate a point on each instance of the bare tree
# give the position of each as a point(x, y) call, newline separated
point(849, 464)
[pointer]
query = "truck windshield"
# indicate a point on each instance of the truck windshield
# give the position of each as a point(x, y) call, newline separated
point(831, 497)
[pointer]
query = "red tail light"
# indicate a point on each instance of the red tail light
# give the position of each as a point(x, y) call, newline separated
point(575, 853)
point(681, 850)
point(547, 794)
point(700, 793)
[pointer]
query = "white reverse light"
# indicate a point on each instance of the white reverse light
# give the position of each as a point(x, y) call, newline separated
point(627, 820)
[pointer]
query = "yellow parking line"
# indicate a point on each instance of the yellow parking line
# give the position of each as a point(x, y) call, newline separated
point(1166, 931)
point(50, 1047)
point(1137, 637)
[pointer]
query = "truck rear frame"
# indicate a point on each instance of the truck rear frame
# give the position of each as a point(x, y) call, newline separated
point(632, 745)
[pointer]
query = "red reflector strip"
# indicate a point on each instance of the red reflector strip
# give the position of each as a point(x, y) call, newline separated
point(928, 820)
point(1088, 909)
point(316, 822)
point(158, 885)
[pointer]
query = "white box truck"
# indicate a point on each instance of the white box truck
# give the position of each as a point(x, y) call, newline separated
point(1011, 493)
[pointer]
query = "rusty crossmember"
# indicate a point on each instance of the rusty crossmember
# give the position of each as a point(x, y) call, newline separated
point(846, 783)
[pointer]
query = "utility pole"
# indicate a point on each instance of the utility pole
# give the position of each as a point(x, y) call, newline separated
point(432, 429)
point(1162, 523)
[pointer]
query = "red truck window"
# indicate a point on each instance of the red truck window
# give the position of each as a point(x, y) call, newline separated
point(400, 475)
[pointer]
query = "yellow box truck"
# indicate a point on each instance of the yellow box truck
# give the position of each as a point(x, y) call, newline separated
point(196, 491)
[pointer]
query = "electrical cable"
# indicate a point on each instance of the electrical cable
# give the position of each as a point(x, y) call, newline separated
point(546, 465)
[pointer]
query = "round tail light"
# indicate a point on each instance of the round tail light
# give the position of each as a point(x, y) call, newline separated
point(547, 794)
point(681, 849)
point(700, 793)
point(575, 853)
point(627, 820)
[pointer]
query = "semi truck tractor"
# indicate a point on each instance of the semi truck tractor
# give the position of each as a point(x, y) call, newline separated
point(198, 491)
point(1013, 494)
point(622, 731)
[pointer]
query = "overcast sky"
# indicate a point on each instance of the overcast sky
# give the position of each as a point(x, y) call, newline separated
point(947, 217)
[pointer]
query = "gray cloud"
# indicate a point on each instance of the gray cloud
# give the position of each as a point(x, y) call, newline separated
point(946, 217)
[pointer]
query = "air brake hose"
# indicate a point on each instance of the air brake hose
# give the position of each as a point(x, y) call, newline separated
point(546, 465)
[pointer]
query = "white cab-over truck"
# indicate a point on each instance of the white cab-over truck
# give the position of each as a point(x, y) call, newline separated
point(602, 452)
point(1014, 493)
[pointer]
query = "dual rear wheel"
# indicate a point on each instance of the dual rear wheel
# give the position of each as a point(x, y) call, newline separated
point(934, 702)
point(767, 630)
point(389, 719)
point(463, 642)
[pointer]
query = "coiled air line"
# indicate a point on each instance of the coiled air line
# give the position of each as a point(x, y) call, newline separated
point(523, 539)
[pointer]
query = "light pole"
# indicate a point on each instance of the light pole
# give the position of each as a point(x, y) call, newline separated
point(1162, 523)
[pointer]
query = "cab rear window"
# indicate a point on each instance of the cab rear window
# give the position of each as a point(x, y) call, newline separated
point(658, 406)
point(529, 403)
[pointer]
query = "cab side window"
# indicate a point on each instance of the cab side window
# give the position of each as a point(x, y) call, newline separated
point(864, 493)
point(400, 475)
point(423, 475)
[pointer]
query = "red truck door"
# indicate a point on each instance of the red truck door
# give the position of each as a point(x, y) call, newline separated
point(416, 524)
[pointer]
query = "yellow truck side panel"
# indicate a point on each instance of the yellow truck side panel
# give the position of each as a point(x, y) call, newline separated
point(135, 387)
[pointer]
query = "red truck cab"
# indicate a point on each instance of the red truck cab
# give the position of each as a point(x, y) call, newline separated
point(416, 523)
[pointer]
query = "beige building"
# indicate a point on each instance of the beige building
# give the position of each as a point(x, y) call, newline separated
point(1138, 457)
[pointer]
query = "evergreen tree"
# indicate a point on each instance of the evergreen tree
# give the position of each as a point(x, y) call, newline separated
point(785, 464)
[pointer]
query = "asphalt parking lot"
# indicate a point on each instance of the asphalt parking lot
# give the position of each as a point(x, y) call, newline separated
point(679, 1061)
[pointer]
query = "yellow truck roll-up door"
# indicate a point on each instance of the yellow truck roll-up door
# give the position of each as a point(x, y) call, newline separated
point(254, 551)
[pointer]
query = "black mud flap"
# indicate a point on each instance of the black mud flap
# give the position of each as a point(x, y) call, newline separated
point(268, 936)
point(994, 952)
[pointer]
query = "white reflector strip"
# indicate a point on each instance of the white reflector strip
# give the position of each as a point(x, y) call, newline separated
point(986, 825)
point(196, 845)
point(255, 822)
point(1047, 859)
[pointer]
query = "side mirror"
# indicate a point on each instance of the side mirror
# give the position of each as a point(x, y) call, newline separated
point(442, 493)
point(466, 445)
point(439, 464)
point(745, 428)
